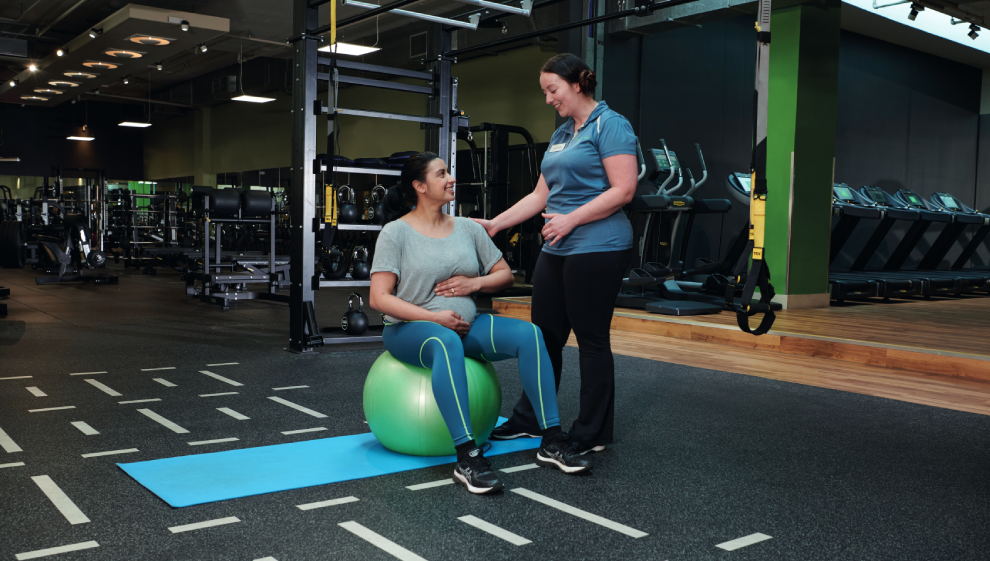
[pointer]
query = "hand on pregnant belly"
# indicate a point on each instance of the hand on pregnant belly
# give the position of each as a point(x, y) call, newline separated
point(452, 320)
point(457, 286)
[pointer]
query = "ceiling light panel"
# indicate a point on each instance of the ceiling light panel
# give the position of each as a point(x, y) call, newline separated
point(110, 56)
point(100, 65)
point(123, 53)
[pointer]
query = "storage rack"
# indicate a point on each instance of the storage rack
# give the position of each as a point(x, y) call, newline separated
point(444, 117)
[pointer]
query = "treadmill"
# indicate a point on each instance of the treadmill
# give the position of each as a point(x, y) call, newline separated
point(852, 207)
point(966, 215)
point(907, 204)
point(651, 285)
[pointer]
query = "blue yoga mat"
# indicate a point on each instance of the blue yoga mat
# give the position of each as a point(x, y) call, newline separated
point(206, 478)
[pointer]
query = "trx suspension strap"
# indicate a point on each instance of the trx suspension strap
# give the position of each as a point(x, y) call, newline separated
point(759, 273)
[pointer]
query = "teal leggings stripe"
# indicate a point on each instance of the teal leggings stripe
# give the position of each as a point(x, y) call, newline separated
point(491, 338)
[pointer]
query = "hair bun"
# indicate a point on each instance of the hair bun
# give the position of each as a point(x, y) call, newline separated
point(588, 82)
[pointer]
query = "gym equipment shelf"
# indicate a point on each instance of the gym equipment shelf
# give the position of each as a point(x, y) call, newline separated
point(356, 227)
point(365, 171)
point(344, 283)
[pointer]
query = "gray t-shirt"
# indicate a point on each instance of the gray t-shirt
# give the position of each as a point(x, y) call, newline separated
point(421, 262)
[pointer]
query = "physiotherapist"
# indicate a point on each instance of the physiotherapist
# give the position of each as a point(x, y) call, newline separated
point(589, 173)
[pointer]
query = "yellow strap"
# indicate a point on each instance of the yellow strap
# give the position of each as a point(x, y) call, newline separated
point(757, 220)
point(333, 22)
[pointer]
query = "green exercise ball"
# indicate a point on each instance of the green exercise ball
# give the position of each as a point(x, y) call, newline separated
point(403, 415)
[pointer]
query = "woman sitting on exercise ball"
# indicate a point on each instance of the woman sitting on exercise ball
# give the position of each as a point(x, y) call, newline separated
point(427, 266)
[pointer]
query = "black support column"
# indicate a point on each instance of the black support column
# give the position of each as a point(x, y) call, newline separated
point(303, 189)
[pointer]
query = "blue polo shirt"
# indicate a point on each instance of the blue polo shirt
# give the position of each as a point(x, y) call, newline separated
point(573, 170)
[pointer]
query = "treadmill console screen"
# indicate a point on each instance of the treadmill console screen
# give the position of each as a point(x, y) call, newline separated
point(844, 194)
point(745, 181)
point(663, 165)
point(878, 196)
point(949, 202)
point(914, 200)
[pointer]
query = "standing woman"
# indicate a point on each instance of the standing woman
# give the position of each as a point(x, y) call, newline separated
point(588, 174)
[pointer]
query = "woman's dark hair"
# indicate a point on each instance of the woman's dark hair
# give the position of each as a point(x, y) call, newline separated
point(401, 198)
point(574, 71)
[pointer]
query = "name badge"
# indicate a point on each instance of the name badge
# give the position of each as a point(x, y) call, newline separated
point(557, 148)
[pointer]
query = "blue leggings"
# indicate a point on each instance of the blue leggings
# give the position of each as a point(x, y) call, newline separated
point(491, 338)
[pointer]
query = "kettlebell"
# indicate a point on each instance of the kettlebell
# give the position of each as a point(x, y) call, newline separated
point(354, 321)
point(334, 264)
point(362, 269)
point(347, 211)
point(377, 212)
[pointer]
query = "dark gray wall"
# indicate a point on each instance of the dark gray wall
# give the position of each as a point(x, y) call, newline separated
point(687, 86)
point(37, 136)
point(905, 118)
point(910, 120)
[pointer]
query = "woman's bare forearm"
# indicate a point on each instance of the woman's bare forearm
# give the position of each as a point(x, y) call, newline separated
point(395, 307)
point(498, 279)
point(527, 207)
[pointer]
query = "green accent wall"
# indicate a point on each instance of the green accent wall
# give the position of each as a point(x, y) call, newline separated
point(803, 93)
point(234, 137)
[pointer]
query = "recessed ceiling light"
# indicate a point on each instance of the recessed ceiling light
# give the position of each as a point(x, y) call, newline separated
point(34, 98)
point(63, 83)
point(100, 65)
point(150, 40)
point(120, 53)
point(253, 98)
point(14, 83)
point(132, 124)
point(349, 49)
point(81, 74)
point(33, 68)
point(47, 91)
point(60, 52)
point(83, 138)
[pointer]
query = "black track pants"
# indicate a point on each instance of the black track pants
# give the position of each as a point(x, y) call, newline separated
point(578, 292)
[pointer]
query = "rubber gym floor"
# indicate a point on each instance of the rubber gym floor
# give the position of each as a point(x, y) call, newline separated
point(701, 457)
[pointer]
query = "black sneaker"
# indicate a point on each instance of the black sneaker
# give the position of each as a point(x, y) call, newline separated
point(560, 454)
point(581, 448)
point(476, 474)
point(508, 432)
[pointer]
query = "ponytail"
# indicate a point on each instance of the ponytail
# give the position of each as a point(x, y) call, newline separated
point(573, 70)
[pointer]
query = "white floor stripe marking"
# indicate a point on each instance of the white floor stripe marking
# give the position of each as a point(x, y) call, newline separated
point(379, 541)
point(300, 431)
point(16, 378)
point(224, 364)
point(138, 401)
point(110, 453)
point(154, 369)
point(737, 543)
point(514, 539)
point(430, 485)
point(331, 502)
point(55, 550)
point(103, 388)
point(36, 392)
point(298, 407)
point(87, 373)
point(162, 421)
point(269, 558)
point(51, 409)
point(206, 524)
point(8, 444)
point(233, 413)
point(290, 388)
point(216, 441)
point(13, 465)
point(221, 378)
point(164, 382)
point(519, 468)
point(61, 501)
point(85, 428)
point(594, 518)
point(216, 394)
